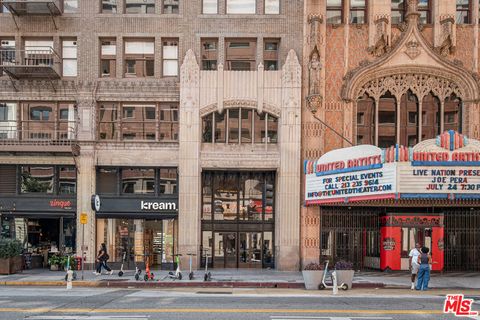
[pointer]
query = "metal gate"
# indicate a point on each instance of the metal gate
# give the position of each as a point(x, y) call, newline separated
point(462, 239)
point(350, 234)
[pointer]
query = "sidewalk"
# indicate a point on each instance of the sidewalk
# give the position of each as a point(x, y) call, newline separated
point(235, 278)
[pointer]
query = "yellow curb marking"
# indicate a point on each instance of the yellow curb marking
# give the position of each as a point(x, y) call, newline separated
point(73, 310)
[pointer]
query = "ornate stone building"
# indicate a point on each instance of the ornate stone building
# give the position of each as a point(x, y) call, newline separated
point(384, 73)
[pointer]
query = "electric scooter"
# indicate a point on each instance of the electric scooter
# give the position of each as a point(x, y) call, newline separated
point(178, 272)
point(208, 275)
point(148, 274)
point(120, 273)
point(190, 274)
point(326, 274)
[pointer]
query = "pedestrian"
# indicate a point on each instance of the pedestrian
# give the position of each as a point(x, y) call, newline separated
point(102, 259)
point(413, 262)
point(424, 271)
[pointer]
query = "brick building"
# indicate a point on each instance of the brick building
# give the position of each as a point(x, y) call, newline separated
point(388, 73)
point(183, 117)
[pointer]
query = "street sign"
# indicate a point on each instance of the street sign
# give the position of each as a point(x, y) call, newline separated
point(83, 218)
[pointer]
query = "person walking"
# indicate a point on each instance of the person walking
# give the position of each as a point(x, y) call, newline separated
point(413, 262)
point(102, 259)
point(425, 260)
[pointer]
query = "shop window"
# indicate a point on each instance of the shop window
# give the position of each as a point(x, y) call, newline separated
point(399, 7)
point(169, 125)
point(209, 54)
point(170, 58)
point(140, 7)
point(207, 196)
point(170, 6)
point(241, 6)
point(37, 179)
point(210, 7)
point(270, 54)
point(109, 6)
point(108, 58)
point(365, 120)
point(334, 11)
point(139, 58)
point(69, 58)
point(138, 181)
point(138, 122)
point(240, 54)
point(272, 6)
point(225, 196)
point(107, 181)
point(358, 11)
point(168, 181)
point(463, 15)
point(70, 6)
point(67, 180)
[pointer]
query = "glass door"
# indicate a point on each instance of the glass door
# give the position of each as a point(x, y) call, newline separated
point(250, 250)
point(225, 251)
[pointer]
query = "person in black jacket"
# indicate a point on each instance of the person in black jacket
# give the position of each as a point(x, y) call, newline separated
point(102, 259)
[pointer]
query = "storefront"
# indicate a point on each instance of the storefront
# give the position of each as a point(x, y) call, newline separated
point(38, 208)
point(137, 215)
point(375, 204)
point(238, 214)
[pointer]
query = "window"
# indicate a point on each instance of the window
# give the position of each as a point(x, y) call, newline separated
point(358, 12)
point(69, 58)
point(169, 122)
point(70, 6)
point(453, 113)
point(241, 54)
point(270, 54)
point(108, 57)
point(107, 121)
point(243, 125)
point(241, 7)
point(463, 12)
point(8, 122)
point(170, 58)
point(39, 52)
point(425, 11)
point(272, 6)
point(107, 181)
point(210, 7)
point(209, 54)
point(365, 120)
point(109, 6)
point(334, 11)
point(398, 11)
point(138, 181)
point(409, 114)
point(66, 121)
point(48, 121)
point(37, 179)
point(168, 181)
point(387, 115)
point(139, 58)
point(7, 49)
point(170, 6)
point(138, 122)
point(140, 7)
point(67, 180)
point(40, 113)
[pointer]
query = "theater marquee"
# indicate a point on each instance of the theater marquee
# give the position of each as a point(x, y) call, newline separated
point(446, 167)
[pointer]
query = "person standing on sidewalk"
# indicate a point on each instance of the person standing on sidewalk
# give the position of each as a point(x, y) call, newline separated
point(424, 271)
point(102, 258)
point(413, 262)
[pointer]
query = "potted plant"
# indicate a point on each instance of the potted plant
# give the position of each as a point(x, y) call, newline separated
point(345, 272)
point(55, 262)
point(10, 256)
point(312, 275)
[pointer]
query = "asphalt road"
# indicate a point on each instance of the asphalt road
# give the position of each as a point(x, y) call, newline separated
point(116, 304)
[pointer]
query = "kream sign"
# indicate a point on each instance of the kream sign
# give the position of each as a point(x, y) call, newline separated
point(445, 167)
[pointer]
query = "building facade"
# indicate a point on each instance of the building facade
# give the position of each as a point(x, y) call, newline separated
point(382, 74)
point(173, 125)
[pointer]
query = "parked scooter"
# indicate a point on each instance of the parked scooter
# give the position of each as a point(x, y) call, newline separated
point(148, 274)
point(178, 273)
point(326, 274)
point(120, 273)
point(208, 275)
point(190, 274)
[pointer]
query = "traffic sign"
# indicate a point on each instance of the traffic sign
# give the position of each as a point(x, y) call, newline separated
point(83, 218)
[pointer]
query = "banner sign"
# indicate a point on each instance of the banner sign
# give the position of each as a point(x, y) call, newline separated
point(446, 167)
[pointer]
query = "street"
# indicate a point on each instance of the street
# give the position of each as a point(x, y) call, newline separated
point(98, 303)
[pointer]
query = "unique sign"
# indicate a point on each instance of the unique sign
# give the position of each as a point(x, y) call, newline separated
point(63, 204)
point(151, 205)
point(389, 244)
point(83, 218)
point(138, 208)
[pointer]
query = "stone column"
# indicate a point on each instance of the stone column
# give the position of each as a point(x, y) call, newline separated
point(189, 163)
point(287, 225)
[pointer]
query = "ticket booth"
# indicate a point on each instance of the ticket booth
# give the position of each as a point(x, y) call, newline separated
point(400, 232)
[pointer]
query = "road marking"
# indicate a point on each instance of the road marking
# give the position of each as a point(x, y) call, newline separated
point(87, 317)
point(330, 318)
point(181, 310)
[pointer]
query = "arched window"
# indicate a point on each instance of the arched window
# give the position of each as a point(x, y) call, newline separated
point(387, 119)
point(430, 117)
point(366, 120)
point(409, 119)
point(240, 125)
point(452, 113)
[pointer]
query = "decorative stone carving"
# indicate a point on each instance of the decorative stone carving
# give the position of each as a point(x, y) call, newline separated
point(314, 68)
point(382, 43)
point(412, 49)
point(292, 72)
point(315, 37)
point(448, 43)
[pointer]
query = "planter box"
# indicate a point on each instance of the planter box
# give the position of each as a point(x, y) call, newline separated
point(346, 277)
point(312, 278)
point(54, 267)
point(11, 265)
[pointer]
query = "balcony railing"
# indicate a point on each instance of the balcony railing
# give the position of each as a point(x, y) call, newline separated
point(34, 7)
point(30, 63)
point(13, 136)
